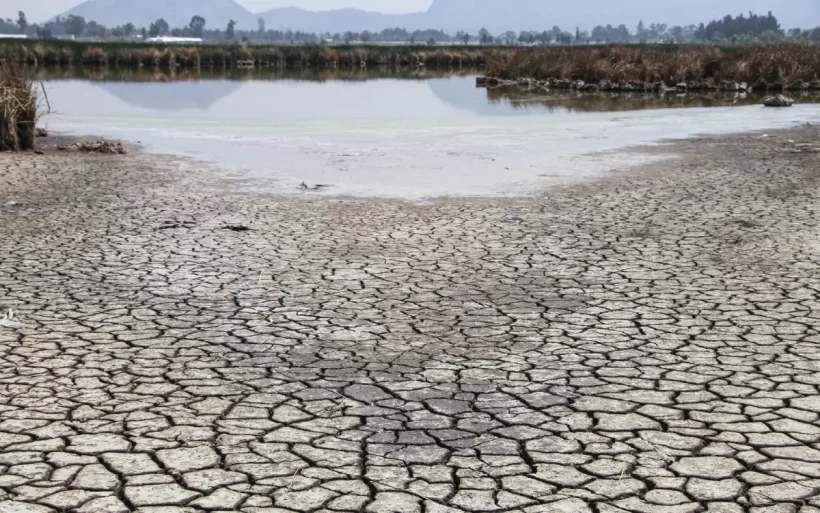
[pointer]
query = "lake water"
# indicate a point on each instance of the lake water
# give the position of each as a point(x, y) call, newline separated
point(411, 137)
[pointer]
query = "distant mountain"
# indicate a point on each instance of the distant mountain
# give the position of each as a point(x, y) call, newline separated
point(502, 15)
point(451, 15)
point(177, 13)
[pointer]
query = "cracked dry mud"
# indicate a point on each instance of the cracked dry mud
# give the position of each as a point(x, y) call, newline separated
point(645, 343)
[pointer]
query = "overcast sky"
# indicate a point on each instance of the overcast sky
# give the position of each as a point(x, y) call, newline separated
point(39, 10)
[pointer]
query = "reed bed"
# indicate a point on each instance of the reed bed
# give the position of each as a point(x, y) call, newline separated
point(788, 66)
point(18, 108)
point(49, 53)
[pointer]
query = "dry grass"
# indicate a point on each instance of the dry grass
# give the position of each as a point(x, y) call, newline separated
point(52, 53)
point(168, 59)
point(188, 57)
point(328, 56)
point(94, 56)
point(783, 65)
point(18, 108)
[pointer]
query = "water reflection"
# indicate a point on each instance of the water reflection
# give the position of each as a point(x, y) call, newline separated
point(104, 74)
point(276, 93)
point(452, 87)
point(272, 100)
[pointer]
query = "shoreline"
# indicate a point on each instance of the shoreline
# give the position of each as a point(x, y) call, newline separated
point(584, 165)
point(666, 156)
point(635, 86)
point(643, 339)
point(220, 181)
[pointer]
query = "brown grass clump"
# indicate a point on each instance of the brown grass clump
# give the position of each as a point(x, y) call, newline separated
point(18, 108)
point(268, 56)
point(94, 56)
point(188, 57)
point(150, 57)
point(327, 56)
point(64, 56)
point(244, 54)
point(130, 57)
point(215, 57)
point(167, 59)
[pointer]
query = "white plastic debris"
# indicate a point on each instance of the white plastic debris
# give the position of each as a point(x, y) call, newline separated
point(8, 320)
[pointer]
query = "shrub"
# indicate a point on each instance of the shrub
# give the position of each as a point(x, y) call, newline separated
point(18, 108)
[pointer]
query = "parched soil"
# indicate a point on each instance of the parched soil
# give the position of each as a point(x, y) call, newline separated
point(647, 342)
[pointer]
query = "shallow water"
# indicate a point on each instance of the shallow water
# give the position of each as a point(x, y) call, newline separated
point(396, 137)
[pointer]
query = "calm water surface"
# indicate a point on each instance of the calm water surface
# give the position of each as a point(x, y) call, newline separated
point(403, 137)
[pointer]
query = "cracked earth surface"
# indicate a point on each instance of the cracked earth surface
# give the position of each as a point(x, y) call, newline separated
point(645, 343)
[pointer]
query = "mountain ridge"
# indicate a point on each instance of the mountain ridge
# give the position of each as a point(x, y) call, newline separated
point(448, 15)
point(177, 13)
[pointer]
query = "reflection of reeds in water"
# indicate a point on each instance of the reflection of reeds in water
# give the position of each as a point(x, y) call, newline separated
point(178, 74)
point(18, 108)
point(225, 56)
point(518, 98)
point(772, 64)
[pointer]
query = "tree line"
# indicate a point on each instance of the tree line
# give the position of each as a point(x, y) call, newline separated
point(736, 29)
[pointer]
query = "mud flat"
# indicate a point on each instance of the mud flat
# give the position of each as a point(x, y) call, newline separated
point(644, 342)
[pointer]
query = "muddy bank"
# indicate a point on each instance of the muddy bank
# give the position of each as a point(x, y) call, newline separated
point(523, 97)
point(635, 86)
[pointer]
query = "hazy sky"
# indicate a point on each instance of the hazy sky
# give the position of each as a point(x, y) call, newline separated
point(38, 10)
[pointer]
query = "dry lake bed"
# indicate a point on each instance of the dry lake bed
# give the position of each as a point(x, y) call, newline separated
point(645, 342)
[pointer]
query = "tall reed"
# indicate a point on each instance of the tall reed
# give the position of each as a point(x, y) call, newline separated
point(18, 108)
